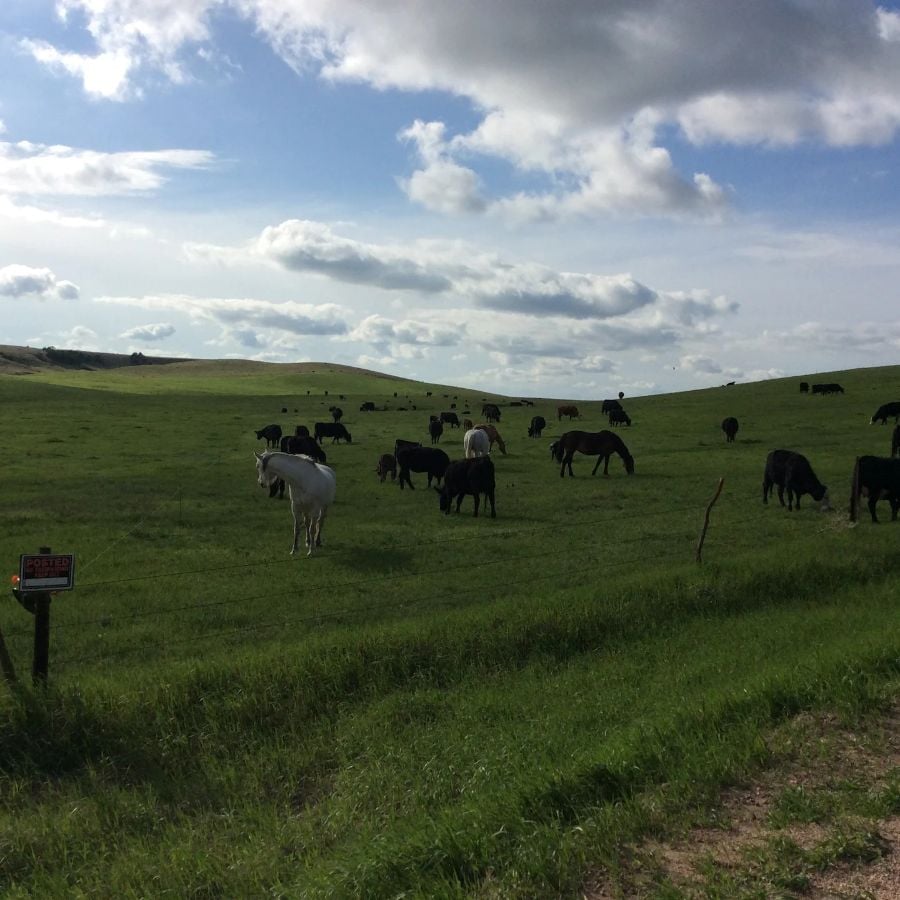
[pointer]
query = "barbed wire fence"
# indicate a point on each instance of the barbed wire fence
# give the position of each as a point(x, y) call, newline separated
point(581, 559)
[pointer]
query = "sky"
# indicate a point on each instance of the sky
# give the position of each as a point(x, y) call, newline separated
point(564, 199)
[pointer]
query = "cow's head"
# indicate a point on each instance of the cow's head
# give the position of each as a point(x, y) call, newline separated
point(825, 500)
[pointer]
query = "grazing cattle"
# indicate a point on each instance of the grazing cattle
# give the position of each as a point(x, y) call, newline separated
point(467, 424)
point(312, 490)
point(284, 409)
point(792, 472)
point(431, 460)
point(804, 387)
point(368, 406)
point(435, 429)
point(336, 413)
point(885, 411)
point(271, 433)
point(619, 417)
point(491, 412)
point(877, 478)
point(400, 444)
point(476, 443)
point(387, 465)
point(527, 402)
point(306, 445)
point(830, 388)
point(601, 444)
point(450, 418)
point(301, 431)
point(538, 424)
point(569, 410)
point(469, 476)
point(609, 405)
point(730, 427)
point(493, 436)
point(335, 430)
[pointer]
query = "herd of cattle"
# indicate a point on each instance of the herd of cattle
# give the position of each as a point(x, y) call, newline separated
point(790, 473)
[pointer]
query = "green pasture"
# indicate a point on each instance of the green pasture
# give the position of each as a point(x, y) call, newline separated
point(429, 706)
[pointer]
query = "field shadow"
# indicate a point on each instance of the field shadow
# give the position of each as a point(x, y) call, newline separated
point(379, 559)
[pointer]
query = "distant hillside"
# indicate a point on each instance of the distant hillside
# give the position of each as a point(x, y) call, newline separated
point(24, 360)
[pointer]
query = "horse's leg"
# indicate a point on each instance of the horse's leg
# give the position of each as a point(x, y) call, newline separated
point(597, 466)
point(319, 523)
point(477, 503)
point(606, 464)
point(294, 510)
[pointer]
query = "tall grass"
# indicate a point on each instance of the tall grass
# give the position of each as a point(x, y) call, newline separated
point(432, 706)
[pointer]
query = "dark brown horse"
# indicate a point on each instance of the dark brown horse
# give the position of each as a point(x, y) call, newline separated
point(601, 444)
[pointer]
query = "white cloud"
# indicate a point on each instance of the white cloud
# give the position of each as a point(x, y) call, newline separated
point(17, 282)
point(581, 94)
point(296, 318)
point(30, 169)
point(156, 332)
point(382, 332)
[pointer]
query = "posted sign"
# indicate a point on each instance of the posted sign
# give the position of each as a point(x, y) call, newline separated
point(46, 572)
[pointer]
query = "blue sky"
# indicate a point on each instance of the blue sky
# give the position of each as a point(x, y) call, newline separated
point(566, 199)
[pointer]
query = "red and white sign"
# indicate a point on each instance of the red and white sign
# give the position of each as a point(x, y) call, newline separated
point(46, 572)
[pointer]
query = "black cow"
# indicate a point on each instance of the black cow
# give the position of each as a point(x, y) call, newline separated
point(804, 387)
point(308, 446)
point(451, 418)
point(431, 460)
point(435, 429)
point(469, 476)
point(792, 472)
point(272, 434)
point(829, 388)
point(400, 444)
point(538, 424)
point(368, 406)
point(387, 465)
point(491, 412)
point(608, 406)
point(730, 427)
point(301, 431)
point(619, 417)
point(335, 430)
point(877, 478)
point(895, 441)
point(885, 411)
point(336, 413)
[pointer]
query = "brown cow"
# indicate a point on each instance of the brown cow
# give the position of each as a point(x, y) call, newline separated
point(493, 436)
point(569, 410)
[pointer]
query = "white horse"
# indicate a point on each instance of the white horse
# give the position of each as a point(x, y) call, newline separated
point(311, 486)
point(476, 443)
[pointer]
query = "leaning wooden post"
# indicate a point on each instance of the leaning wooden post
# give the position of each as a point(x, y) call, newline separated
point(698, 555)
point(9, 673)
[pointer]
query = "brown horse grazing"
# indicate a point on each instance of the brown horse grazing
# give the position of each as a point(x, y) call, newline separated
point(569, 410)
point(601, 444)
point(493, 437)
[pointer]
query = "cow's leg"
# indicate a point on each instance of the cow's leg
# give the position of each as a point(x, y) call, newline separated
point(873, 499)
point(790, 496)
point(895, 506)
point(477, 504)
point(490, 497)
point(781, 494)
point(767, 486)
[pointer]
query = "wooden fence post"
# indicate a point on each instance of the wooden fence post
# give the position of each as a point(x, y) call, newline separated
point(6, 662)
point(698, 555)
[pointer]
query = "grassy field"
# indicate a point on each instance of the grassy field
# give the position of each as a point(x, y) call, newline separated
point(431, 706)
